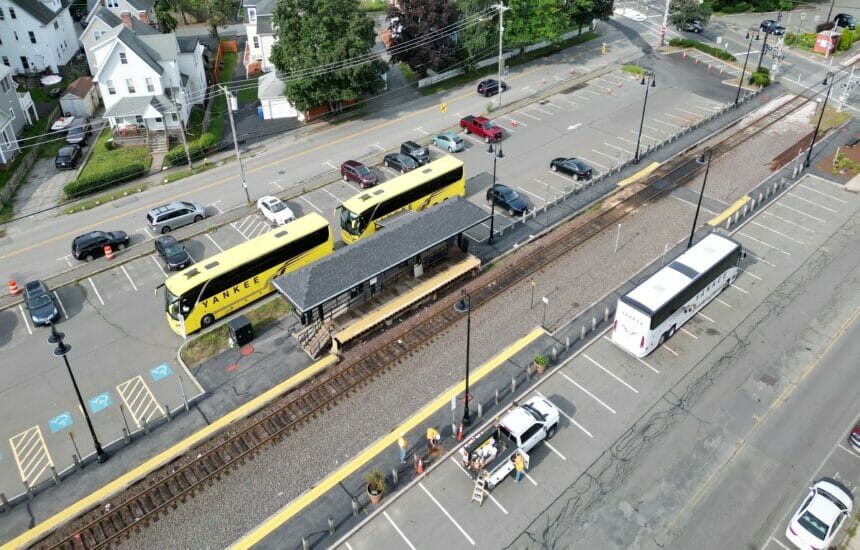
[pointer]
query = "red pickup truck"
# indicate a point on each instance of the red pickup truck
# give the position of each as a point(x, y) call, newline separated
point(481, 126)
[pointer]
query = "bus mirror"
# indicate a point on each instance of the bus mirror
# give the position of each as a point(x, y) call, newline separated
point(743, 254)
point(156, 289)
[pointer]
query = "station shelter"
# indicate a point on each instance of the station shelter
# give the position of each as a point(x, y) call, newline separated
point(406, 262)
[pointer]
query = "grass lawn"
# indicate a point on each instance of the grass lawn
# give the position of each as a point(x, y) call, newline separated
point(107, 197)
point(248, 92)
point(228, 60)
point(103, 160)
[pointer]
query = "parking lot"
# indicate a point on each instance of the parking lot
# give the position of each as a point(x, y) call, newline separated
point(602, 390)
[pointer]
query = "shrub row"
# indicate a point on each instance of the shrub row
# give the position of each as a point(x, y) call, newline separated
point(733, 6)
point(97, 182)
point(197, 149)
point(689, 43)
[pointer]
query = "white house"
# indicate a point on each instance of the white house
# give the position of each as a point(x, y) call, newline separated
point(81, 98)
point(261, 35)
point(142, 10)
point(16, 111)
point(147, 84)
point(100, 22)
point(36, 35)
point(273, 102)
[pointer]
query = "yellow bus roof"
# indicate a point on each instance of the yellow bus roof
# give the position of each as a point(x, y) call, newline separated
point(373, 196)
point(232, 257)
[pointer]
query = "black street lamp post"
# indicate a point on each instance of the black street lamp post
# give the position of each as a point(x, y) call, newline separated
point(830, 76)
point(707, 162)
point(62, 350)
point(465, 305)
point(752, 34)
point(764, 49)
point(497, 154)
point(649, 81)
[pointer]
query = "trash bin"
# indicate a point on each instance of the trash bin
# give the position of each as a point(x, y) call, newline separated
point(241, 331)
point(260, 112)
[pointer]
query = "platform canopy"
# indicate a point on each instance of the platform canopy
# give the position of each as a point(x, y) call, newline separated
point(398, 241)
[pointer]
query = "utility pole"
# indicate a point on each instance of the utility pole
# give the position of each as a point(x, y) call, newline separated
point(663, 29)
point(830, 12)
point(182, 131)
point(231, 100)
point(502, 9)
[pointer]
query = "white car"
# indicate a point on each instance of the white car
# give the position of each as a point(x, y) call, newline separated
point(822, 514)
point(274, 210)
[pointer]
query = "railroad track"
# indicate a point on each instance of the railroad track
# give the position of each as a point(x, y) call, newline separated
point(174, 483)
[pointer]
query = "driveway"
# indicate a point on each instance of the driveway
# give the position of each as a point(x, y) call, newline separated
point(40, 193)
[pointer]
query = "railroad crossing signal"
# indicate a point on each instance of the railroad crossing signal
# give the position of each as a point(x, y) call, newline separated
point(443, 107)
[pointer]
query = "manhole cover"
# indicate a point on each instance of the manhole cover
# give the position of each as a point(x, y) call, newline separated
point(281, 172)
point(246, 350)
point(767, 379)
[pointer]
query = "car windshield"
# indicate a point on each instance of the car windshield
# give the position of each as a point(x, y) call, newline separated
point(173, 249)
point(489, 124)
point(76, 130)
point(277, 206)
point(510, 195)
point(40, 300)
point(362, 170)
point(814, 525)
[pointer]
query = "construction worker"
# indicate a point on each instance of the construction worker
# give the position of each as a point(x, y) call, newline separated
point(603, 49)
point(402, 443)
point(520, 466)
point(433, 438)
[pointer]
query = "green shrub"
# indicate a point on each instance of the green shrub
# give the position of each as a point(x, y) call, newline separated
point(804, 40)
point(847, 40)
point(197, 149)
point(760, 78)
point(719, 53)
point(98, 182)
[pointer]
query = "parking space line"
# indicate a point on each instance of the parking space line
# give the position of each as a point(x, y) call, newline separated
point(688, 333)
point(514, 120)
point(783, 235)
point(550, 186)
point(608, 339)
point(575, 383)
point(661, 130)
point(736, 287)
point(139, 400)
point(66, 257)
point(619, 148)
point(332, 195)
point(511, 130)
point(764, 243)
point(30, 452)
point(92, 284)
point(823, 193)
point(673, 352)
point(218, 246)
point(216, 207)
point(127, 276)
point(685, 201)
point(604, 154)
point(789, 222)
point(697, 115)
point(598, 94)
point(604, 369)
point(813, 203)
point(396, 528)
point(310, 203)
point(753, 275)
point(569, 418)
point(553, 449)
point(779, 543)
point(470, 137)
point(801, 212)
point(724, 303)
point(539, 109)
point(682, 119)
point(574, 103)
point(158, 265)
point(24, 316)
point(490, 496)
point(700, 314)
point(847, 450)
point(537, 197)
point(589, 160)
point(276, 184)
point(526, 114)
point(62, 307)
point(530, 478)
point(444, 511)
point(762, 260)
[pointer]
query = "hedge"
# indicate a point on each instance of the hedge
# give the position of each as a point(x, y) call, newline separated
point(98, 182)
point(689, 43)
point(197, 149)
point(760, 78)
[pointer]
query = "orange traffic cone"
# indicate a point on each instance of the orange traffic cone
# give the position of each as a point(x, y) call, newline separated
point(13, 288)
point(420, 466)
point(513, 123)
point(108, 252)
point(460, 433)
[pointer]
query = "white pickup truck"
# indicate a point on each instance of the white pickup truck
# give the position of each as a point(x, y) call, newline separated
point(491, 453)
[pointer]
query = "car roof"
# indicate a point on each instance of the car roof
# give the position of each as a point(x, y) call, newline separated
point(411, 143)
point(353, 163)
point(270, 199)
point(822, 508)
point(35, 285)
point(167, 239)
point(501, 187)
point(67, 149)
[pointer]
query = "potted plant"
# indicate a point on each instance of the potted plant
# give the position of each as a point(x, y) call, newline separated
point(376, 485)
point(540, 363)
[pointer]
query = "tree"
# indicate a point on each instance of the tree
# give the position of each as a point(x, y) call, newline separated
point(682, 12)
point(528, 22)
point(218, 13)
point(479, 38)
point(166, 21)
point(416, 19)
point(323, 52)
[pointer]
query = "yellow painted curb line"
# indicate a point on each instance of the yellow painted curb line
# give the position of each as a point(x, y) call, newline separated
point(299, 503)
point(95, 498)
point(728, 212)
point(639, 175)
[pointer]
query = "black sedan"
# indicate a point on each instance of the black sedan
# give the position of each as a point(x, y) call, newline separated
point(770, 26)
point(490, 87)
point(40, 304)
point(508, 199)
point(400, 162)
point(68, 157)
point(172, 252)
point(572, 167)
point(692, 26)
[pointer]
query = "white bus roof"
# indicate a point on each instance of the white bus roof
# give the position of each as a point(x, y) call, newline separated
point(666, 283)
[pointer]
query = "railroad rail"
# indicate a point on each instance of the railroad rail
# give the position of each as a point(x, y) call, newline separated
point(166, 488)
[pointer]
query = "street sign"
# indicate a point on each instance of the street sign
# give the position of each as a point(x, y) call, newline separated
point(663, 29)
point(803, 15)
point(443, 107)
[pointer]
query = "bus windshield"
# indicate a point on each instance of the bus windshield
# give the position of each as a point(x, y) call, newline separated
point(171, 304)
point(350, 222)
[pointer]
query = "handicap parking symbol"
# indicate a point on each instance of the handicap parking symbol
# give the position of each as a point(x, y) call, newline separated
point(99, 402)
point(161, 371)
point(60, 422)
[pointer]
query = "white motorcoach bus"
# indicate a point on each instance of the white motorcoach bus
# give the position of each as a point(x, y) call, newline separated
point(653, 311)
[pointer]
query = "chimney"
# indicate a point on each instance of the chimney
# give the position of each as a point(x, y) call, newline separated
point(144, 18)
point(126, 19)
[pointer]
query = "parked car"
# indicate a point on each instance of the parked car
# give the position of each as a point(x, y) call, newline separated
point(845, 21)
point(79, 134)
point(91, 245)
point(508, 199)
point(481, 126)
point(572, 167)
point(40, 304)
point(770, 26)
point(420, 153)
point(352, 170)
point(854, 438)
point(450, 141)
point(172, 252)
point(68, 157)
point(490, 87)
point(174, 215)
point(399, 161)
point(693, 26)
point(274, 210)
point(822, 514)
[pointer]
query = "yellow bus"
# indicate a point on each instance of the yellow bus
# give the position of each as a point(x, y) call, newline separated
point(416, 190)
point(200, 294)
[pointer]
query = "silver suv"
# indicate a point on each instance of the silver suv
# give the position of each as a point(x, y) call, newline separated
point(174, 215)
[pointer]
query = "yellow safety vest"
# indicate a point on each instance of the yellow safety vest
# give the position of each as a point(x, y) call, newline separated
point(520, 463)
point(402, 442)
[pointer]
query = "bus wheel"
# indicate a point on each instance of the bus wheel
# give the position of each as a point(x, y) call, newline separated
point(207, 320)
point(672, 331)
point(662, 339)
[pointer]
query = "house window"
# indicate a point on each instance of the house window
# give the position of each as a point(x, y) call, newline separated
point(15, 33)
point(111, 89)
point(25, 63)
point(6, 61)
point(32, 36)
point(139, 120)
point(252, 15)
point(159, 119)
point(12, 13)
point(6, 138)
point(256, 41)
point(130, 83)
point(123, 58)
point(2, 15)
point(150, 87)
point(56, 25)
point(113, 3)
point(174, 117)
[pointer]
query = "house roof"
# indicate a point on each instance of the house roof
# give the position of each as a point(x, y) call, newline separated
point(163, 47)
point(265, 25)
point(137, 105)
point(107, 16)
point(142, 5)
point(4, 71)
point(140, 49)
point(265, 7)
point(269, 86)
point(80, 87)
point(39, 11)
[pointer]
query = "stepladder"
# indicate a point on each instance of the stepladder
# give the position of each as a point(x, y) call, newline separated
point(479, 491)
